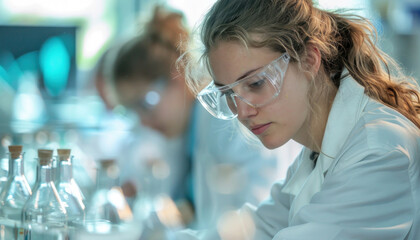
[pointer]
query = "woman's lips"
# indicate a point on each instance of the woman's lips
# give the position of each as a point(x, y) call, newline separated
point(259, 129)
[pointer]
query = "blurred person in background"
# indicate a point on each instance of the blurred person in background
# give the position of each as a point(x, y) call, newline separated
point(215, 169)
point(118, 136)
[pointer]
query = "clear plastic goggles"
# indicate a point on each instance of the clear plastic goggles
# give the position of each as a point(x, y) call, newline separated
point(151, 99)
point(255, 90)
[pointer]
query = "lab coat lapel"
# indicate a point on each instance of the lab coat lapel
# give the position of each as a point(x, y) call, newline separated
point(299, 177)
point(345, 112)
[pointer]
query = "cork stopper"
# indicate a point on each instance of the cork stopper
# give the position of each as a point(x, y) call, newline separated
point(15, 151)
point(110, 168)
point(63, 154)
point(44, 156)
point(106, 163)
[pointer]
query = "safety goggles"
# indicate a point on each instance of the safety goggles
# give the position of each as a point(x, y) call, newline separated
point(256, 90)
point(151, 99)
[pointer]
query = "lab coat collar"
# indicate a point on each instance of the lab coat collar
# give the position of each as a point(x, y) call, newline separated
point(346, 110)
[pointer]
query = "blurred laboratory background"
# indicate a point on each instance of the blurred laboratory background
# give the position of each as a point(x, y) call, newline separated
point(50, 63)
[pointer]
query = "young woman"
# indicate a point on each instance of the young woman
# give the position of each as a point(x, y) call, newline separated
point(288, 70)
point(213, 168)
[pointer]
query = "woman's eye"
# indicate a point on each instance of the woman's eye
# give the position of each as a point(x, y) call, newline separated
point(256, 84)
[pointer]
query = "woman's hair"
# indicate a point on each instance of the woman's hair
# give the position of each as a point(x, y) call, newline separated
point(345, 42)
point(151, 55)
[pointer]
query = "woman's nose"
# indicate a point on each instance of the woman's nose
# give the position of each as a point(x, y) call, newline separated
point(244, 110)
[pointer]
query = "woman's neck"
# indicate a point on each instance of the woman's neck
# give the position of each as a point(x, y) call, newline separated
point(313, 132)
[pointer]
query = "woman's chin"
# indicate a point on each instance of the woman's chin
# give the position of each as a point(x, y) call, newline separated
point(271, 143)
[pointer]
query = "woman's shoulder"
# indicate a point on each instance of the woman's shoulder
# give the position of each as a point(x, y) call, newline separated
point(380, 132)
point(385, 127)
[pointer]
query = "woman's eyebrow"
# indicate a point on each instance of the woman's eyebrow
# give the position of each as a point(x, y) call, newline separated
point(248, 73)
point(241, 77)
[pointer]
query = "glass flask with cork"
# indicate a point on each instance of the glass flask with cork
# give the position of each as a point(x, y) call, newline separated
point(108, 202)
point(68, 189)
point(45, 207)
point(16, 190)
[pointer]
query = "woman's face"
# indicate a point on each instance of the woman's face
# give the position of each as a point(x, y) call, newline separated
point(163, 106)
point(279, 121)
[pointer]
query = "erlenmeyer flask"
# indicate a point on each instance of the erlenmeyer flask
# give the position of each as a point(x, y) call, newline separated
point(67, 188)
point(108, 202)
point(45, 206)
point(16, 191)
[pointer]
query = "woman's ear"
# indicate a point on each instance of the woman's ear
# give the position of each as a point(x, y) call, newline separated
point(313, 59)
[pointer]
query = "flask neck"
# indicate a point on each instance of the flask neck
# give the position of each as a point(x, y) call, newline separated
point(16, 166)
point(65, 171)
point(44, 174)
point(106, 180)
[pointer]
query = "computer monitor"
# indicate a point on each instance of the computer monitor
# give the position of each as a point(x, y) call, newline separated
point(47, 53)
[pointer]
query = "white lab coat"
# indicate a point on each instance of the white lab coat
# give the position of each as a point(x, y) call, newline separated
point(365, 185)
